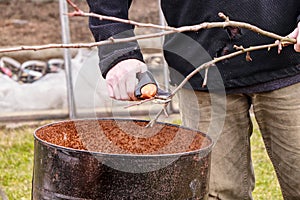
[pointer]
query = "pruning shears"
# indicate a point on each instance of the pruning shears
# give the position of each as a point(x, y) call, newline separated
point(147, 88)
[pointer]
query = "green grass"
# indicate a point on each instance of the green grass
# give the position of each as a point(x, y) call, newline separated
point(16, 165)
point(266, 186)
point(16, 161)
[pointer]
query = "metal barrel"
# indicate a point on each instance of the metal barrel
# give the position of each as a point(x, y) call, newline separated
point(67, 173)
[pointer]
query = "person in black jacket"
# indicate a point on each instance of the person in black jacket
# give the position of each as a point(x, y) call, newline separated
point(269, 83)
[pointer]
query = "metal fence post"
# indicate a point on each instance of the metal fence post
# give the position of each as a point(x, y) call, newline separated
point(162, 22)
point(63, 7)
point(165, 66)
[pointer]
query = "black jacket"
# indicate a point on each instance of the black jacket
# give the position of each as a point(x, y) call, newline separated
point(184, 52)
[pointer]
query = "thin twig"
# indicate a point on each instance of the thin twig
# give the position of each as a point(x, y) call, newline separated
point(75, 7)
point(154, 120)
point(125, 21)
point(206, 66)
point(83, 45)
point(140, 102)
point(205, 78)
point(216, 60)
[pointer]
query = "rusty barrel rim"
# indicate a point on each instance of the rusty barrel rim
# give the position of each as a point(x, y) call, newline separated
point(206, 148)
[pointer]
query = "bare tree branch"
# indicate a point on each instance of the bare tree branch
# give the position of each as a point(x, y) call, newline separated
point(154, 120)
point(84, 45)
point(140, 102)
point(75, 7)
point(168, 30)
point(205, 25)
point(125, 21)
point(206, 66)
point(216, 60)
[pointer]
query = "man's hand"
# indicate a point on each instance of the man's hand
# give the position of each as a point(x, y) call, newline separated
point(121, 79)
point(296, 35)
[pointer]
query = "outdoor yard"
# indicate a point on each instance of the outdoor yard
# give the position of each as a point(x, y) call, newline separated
point(42, 26)
point(16, 164)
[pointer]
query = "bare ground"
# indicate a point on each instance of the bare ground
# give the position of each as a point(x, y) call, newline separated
point(24, 22)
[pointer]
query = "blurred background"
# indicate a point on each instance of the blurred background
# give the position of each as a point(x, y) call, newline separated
point(50, 84)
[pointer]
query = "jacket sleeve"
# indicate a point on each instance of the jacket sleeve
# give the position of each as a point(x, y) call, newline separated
point(111, 54)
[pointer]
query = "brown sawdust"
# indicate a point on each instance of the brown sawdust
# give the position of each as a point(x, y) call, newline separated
point(122, 137)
